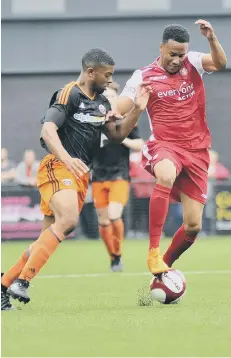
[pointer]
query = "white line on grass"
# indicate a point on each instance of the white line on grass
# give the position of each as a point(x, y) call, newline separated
point(125, 274)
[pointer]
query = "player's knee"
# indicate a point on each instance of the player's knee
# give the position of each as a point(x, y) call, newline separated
point(115, 214)
point(103, 218)
point(192, 228)
point(166, 180)
point(69, 224)
point(165, 173)
point(104, 221)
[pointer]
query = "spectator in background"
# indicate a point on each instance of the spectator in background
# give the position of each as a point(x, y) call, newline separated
point(8, 168)
point(26, 171)
point(216, 169)
point(142, 184)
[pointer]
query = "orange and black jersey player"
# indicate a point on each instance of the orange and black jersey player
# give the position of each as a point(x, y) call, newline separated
point(112, 160)
point(79, 119)
point(72, 134)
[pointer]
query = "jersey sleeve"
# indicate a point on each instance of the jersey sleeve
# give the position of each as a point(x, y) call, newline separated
point(132, 84)
point(55, 114)
point(62, 102)
point(134, 134)
point(195, 58)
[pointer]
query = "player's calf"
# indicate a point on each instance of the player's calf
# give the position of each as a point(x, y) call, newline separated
point(181, 242)
point(192, 229)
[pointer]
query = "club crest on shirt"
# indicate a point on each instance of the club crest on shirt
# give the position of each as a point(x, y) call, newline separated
point(102, 109)
point(67, 181)
point(184, 71)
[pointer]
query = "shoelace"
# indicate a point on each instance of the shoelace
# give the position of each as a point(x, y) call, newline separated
point(24, 284)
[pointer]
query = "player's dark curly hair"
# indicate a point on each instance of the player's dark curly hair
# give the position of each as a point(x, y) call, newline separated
point(176, 33)
point(96, 57)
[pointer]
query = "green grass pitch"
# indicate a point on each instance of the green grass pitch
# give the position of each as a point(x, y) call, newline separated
point(98, 315)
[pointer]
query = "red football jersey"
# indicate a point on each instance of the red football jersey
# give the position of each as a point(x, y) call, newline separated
point(176, 107)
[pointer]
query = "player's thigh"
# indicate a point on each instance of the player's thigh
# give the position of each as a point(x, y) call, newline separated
point(62, 194)
point(64, 203)
point(118, 198)
point(163, 162)
point(165, 172)
point(54, 177)
point(65, 206)
point(192, 213)
point(47, 221)
point(100, 194)
point(103, 217)
point(115, 210)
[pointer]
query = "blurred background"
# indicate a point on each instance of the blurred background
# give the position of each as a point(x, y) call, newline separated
point(42, 45)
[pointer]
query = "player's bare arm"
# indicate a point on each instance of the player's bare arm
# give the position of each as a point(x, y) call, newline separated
point(118, 132)
point(216, 60)
point(124, 105)
point(51, 138)
point(133, 144)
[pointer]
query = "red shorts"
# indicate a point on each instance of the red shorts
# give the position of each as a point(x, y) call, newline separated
point(191, 166)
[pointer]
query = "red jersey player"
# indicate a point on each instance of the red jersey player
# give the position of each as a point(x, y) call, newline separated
point(177, 150)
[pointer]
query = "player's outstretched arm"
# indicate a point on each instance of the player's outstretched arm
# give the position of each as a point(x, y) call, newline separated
point(118, 132)
point(124, 105)
point(134, 144)
point(216, 60)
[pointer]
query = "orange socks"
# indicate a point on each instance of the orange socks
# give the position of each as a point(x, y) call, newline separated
point(45, 239)
point(34, 257)
point(106, 234)
point(41, 250)
point(118, 235)
point(113, 235)
point(9, 277)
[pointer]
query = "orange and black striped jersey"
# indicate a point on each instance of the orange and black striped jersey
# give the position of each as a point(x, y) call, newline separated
point(112, 160)
point(79, 119)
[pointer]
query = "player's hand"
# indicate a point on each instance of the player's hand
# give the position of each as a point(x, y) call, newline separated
point(206, 29)
point(113, 116)
point(76, 166)
point(142, 95)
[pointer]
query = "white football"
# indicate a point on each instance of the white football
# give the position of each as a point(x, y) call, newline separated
point(168, 287)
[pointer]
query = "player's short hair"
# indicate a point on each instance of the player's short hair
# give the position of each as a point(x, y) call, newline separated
point(176, 33)
point(96, 57)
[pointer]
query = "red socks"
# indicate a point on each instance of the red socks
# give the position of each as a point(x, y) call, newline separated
point(180, 243)
point(158, 209)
